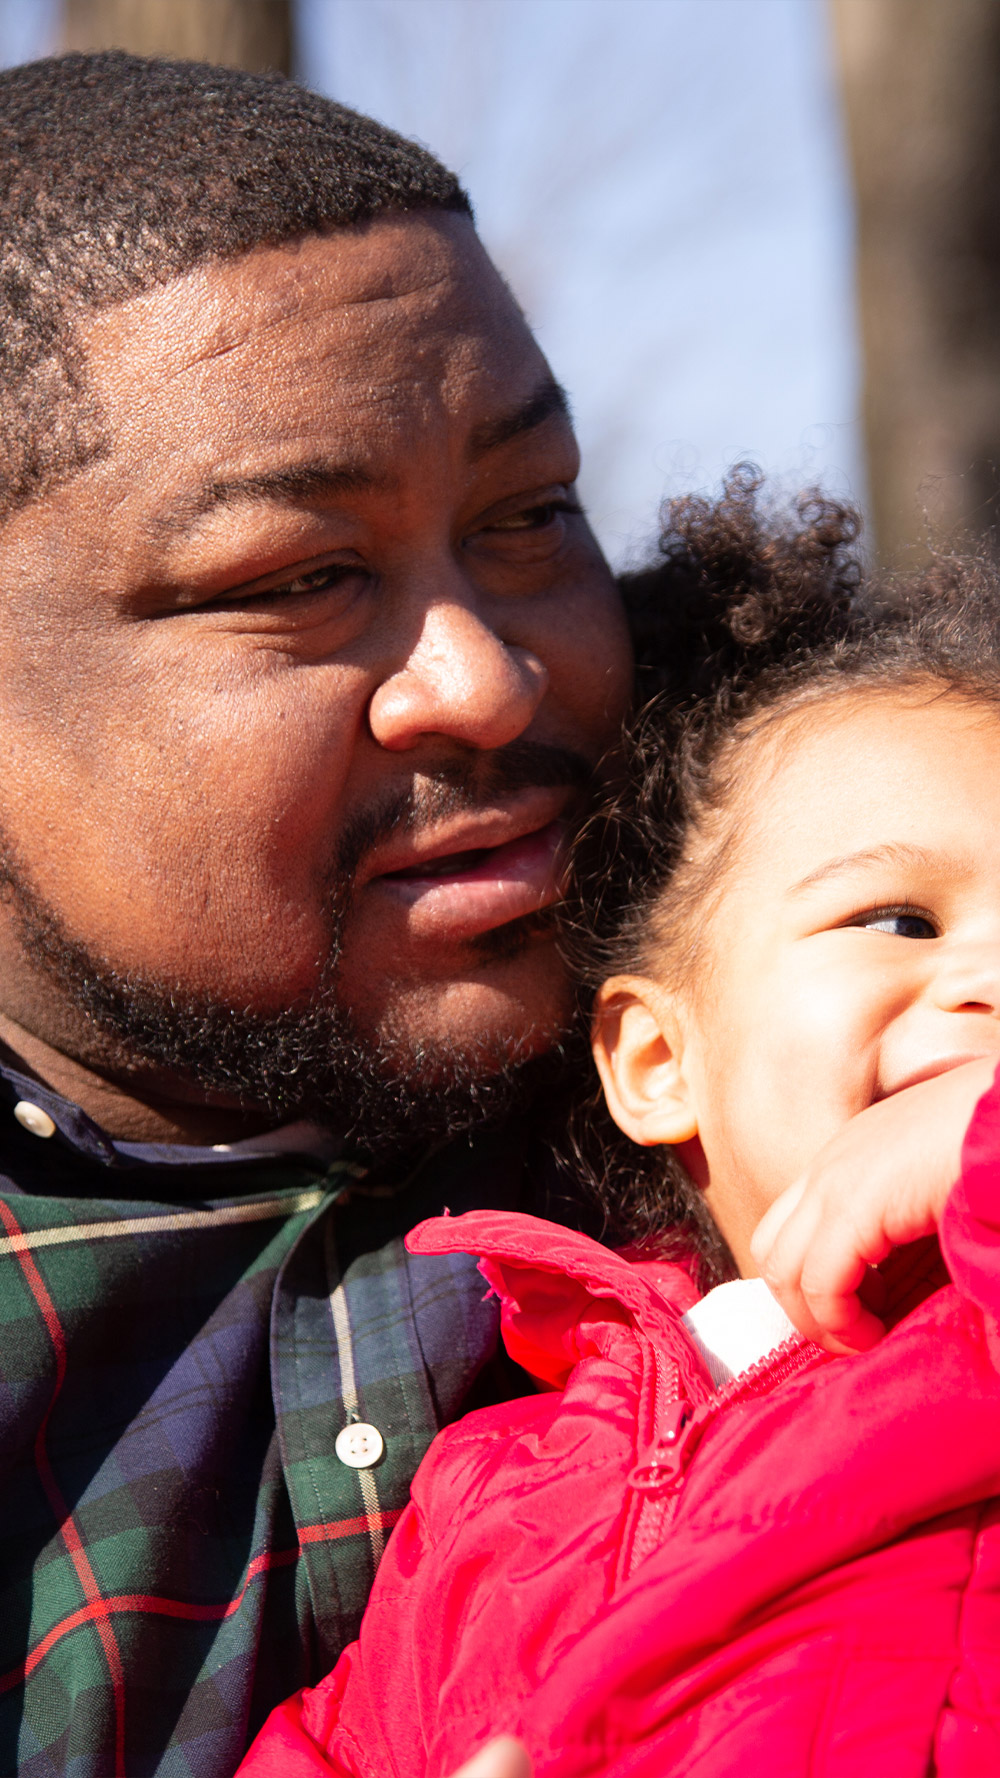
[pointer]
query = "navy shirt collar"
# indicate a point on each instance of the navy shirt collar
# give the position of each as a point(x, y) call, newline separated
point(75, 1130)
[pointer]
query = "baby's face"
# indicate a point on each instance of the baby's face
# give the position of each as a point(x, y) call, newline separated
point(853, 951)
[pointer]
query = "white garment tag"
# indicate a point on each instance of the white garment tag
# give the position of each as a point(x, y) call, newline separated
point(735, 1326)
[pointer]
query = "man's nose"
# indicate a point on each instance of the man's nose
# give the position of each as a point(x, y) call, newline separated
point(462, 681)
point(968, 979)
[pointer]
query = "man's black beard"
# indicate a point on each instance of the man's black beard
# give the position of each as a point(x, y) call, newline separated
point(307, 1062)
point(312, 1060)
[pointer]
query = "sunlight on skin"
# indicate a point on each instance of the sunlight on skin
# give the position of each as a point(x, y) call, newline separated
point(502, 1758)
point(846, 1020)
point(219, 686)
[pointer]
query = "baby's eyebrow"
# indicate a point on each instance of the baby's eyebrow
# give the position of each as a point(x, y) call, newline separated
point(901, 855)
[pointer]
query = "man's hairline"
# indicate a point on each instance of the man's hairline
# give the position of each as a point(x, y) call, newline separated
point(76, 317)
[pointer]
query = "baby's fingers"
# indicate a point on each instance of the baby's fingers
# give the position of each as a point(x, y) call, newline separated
point(814, 1262)
point(502, 1758)
point(766, 1233)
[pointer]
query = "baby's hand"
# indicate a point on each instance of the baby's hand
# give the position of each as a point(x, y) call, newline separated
point(502, 1758)
point(880, 1183)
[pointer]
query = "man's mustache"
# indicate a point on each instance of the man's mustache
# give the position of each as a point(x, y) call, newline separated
point(458, 786)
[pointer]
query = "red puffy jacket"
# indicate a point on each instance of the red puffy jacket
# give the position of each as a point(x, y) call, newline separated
point(639, 1576)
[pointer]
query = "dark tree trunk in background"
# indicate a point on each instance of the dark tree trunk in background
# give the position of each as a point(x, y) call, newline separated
point(921, 88)
point(254, 34)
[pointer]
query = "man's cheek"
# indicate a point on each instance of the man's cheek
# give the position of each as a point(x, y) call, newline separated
point(185, 878)
point(589, 655)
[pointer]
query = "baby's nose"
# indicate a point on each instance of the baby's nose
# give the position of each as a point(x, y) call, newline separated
point(968, 979)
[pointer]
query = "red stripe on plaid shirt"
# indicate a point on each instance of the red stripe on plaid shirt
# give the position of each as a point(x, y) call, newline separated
point(350, 1527)
point(97, 1607)
point(149, 1604)
point(157, 1606)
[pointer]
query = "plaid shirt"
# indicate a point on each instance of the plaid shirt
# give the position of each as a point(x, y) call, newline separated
point(183, 1336)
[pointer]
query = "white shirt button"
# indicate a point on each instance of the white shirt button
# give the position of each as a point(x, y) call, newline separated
point(33, 1118)
point(360, 1445)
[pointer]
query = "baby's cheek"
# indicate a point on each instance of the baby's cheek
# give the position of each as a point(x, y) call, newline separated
point(824, 1031)
point(807, 1067)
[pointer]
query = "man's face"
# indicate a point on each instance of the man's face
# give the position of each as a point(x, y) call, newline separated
point(314, 660)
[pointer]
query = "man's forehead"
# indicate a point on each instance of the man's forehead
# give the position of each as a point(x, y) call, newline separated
point(416, 272)
point(311, 363)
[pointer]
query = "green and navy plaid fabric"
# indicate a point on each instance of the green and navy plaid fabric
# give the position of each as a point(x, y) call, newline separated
point(180, 1345)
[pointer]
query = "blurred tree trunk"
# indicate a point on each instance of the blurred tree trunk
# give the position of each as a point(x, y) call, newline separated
point(921, 89)
point(254, 34)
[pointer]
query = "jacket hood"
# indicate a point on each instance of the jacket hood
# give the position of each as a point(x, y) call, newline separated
point(563, 1296)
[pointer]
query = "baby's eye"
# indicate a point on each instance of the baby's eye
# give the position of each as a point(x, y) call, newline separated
point(900, 922)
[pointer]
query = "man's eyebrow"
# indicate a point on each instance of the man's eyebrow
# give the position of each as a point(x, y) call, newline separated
point(902, 855)
point(300, 481)
point(547, 399)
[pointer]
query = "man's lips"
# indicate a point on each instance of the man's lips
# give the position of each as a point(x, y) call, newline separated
point(464, 877)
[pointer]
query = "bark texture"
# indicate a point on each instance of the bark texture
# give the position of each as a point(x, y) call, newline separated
point(921, 89)
point(253, 34)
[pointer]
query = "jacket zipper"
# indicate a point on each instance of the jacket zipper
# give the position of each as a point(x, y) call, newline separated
point(658, 1476)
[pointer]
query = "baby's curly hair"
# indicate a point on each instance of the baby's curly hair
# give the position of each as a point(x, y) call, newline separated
point(751, 612)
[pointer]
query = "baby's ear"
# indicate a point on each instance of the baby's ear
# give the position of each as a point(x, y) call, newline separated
point(637, 1037)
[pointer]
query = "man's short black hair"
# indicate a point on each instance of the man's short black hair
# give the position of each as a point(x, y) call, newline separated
point(118, 173)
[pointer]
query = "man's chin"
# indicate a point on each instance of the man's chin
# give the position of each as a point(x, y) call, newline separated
point(381, 1090)
point(447, 1059)
point(445, 1063)
point(429, 1096)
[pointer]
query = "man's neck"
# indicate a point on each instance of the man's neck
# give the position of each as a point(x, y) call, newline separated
point(128, 1113)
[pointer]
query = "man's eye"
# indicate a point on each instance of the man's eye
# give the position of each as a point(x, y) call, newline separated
point(535, 518)
point(899, 922)
point(316, 580)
